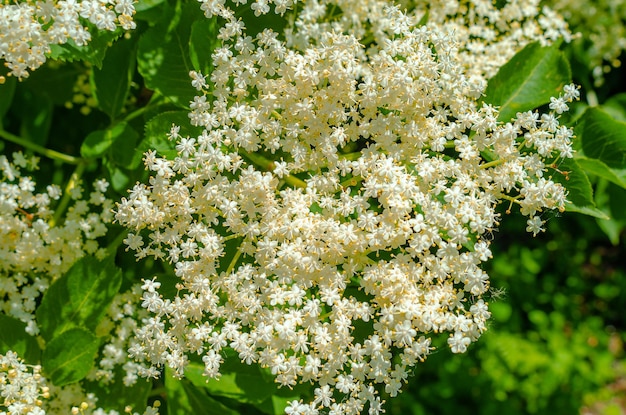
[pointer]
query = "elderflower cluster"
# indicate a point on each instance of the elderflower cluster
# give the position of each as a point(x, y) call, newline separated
point(23, 390)
point(29, 29)
point(22, 387)
point(118, 327)
point(329, 221)
point(489, 33)
point(602, 26)
point(36, 246)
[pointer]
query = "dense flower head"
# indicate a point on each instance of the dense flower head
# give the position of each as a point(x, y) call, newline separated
point(36, 247)
point(28, 29)
point(22, 388)
point(331, 219)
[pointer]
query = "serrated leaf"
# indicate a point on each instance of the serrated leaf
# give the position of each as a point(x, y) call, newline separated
point(587, 210)
point(163, 54)
point(580, 193)
point(111, 83)
point(99, 142)
point(79, 298)
point(93, 52)
point(598, 168)
point(202, 42)
point(69, 356)
point(604, 138)
point(15, 338)
point(528, 80)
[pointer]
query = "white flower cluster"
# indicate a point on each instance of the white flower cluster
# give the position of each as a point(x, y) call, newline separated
point(22, 387)
point(23, 390)
point(118, 328)
point(329, 220)
point(490, 33)
point(34, 250)
point(27, 29)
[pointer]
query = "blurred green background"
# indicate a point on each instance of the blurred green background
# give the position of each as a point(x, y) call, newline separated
point(555, 344)
point(556, 341)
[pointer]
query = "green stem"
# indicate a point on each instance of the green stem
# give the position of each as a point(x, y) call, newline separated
point(154, 102)
point(351, 156)
point(492, 164)
point(268, 165)
point(65, 200)
point(511, 199)
point(352, 181)
point(55, 155)
point(158, 392)
point(232, 264)
point(230, 237)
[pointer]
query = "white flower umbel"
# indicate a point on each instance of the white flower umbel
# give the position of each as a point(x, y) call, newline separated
point(35, 246)
point(22, 388)
point(29, 28)
point(329, 221)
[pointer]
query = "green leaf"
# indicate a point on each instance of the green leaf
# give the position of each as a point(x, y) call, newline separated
point(112, 82)
point(163, 54)
point(202, 42)
point(617, 202)
point(598, 168)
point(15, 338)
point(93, 52)
point(118, 138)
point(245, 384)
point(119, 178)
point(56, 82)
point(184, 398)
point(604, 138)
point(69, 356)
point(158, 128)
point(580, 192)
point(528, 80)
point(143, 5)
point(612, 229)
point(79, 298)
point(123, 150)
point(616, 107)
